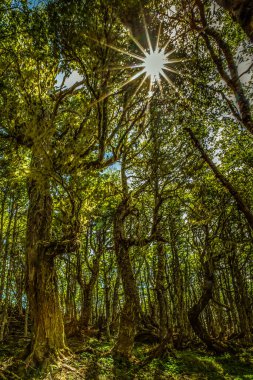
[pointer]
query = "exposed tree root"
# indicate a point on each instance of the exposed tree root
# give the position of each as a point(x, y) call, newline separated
point(162, 351)
point(23, 369)
point(15, 370)
point(147, 336)
point(44, 359)
point(9, 375)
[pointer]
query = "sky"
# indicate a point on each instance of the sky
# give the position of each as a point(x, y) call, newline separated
point(73, 78)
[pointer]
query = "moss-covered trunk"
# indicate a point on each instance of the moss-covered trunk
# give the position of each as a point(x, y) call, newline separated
point(86, 305)
point(48, 330)
point(161, 292)
point(130, 314)
point(196, 310)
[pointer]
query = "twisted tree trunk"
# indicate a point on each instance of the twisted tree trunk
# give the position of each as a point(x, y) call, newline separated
point(130, 314)
point(196, 310)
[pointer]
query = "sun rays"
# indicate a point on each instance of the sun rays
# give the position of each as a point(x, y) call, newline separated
point(155, 61)
point(153, 64)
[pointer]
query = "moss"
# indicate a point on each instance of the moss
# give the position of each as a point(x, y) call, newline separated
point(95, 361)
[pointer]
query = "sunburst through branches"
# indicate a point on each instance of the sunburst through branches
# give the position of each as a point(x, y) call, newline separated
point(154, 64)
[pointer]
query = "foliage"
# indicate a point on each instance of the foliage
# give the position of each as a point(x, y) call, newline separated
point(132, 210)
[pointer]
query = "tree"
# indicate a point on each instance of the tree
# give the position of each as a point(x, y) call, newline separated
point(242, 12)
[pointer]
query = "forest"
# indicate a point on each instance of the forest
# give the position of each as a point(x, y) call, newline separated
point(126, 203)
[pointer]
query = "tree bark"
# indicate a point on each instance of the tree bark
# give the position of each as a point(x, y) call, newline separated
point(242, 299)
point(115, 304)
point(86, 305)
point(179, 310)
point(48, 336)
point(161, 293)
point(130, 314)
point(89, 285)
point(5, 249)
point(199, 306)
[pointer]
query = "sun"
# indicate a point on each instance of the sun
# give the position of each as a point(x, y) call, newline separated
point(154, 63)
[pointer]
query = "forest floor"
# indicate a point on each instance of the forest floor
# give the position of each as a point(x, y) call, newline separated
point(92, 360)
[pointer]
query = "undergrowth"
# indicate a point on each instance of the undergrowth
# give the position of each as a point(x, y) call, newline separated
point(92, 359)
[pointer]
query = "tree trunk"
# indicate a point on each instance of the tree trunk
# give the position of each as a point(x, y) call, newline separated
point(130, 314)
point(179, 310)
point(161, 293)
point(127, 330)
point(89, 286)
point(107, 299)
point(242, 300)
point(199, 306)
point(5, 250)
point(48, 336)
point(115, 305)
point(86, 305)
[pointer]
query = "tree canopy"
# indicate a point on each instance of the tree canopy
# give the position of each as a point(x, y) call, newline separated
point(126, 161)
